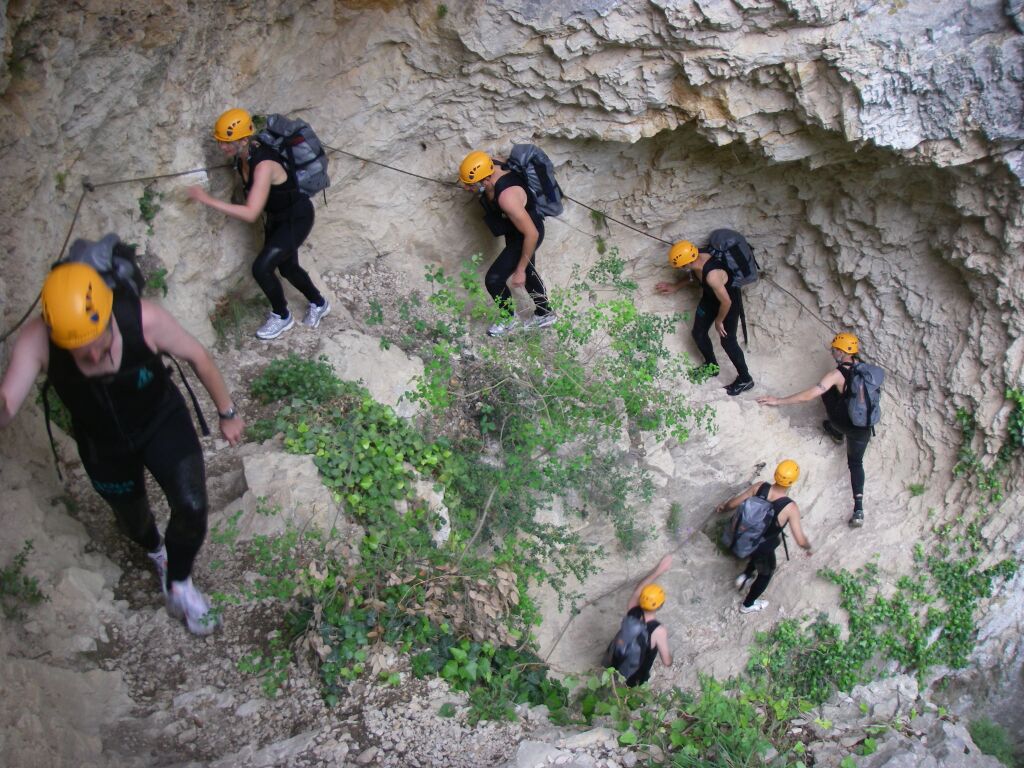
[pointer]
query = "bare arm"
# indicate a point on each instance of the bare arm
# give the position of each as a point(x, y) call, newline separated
point(663, 565)
point(739, 498)
point(28, 359)
point(165, 334)
point(829, 380)
point(256, 200)
point(659, 639)
point(513, 202)
point(791, 514)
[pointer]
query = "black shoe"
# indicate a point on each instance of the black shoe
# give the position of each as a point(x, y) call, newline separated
point(831, 431)
point(857, 520)
point(739, 386)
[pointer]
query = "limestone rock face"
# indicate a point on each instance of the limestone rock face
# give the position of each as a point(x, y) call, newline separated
point(870, 150)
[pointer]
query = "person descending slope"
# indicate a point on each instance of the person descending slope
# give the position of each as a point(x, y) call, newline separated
point(101, 351)
point(851, 394)
point(271, 188)
point(720, 305)
point(756, 529)
point(510, 209)
point(641, 637)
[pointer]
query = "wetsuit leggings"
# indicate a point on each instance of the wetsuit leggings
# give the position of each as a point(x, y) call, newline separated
point(175, 459)
point(496, 280)
point(856, 445)
point(763, 561)
point(704, 322)
point(281, 252)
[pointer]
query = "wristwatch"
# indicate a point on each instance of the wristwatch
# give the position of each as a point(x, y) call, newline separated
point(229, 414)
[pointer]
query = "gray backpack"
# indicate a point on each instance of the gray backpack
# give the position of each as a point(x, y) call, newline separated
point(863, 394)
point(737, 254)
point(114, 260)
point(299, 145)
point(746, 529)
point(626, 650)
point(530, 162)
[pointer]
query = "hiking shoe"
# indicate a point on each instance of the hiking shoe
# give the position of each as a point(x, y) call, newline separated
point(742, 580)
point(275, 326)
point(315, 314)
point(187, 603)
point(540, 321)
point(831, 431)
point(739, 386)
point(159, 558)
point(857, 520)
point(503, 329)
point(757, 605)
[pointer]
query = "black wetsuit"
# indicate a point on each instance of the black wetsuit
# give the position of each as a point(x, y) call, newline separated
point(857, 438)
point(496, 280)
point(133, 419)
point(763, 559)
point(704, 320)
point(288, 222)
point(643, 673)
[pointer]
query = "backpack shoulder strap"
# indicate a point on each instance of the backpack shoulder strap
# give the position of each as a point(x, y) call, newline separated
point(45, 394)
point(762, 492)
point(203, 426)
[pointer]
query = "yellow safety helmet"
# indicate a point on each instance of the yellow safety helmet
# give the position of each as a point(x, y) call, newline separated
point(682, 253)
point(233, 125)
point(76, 304)
point(476, 167)
point(786, 473)
point(846, 342)
point(652, 597)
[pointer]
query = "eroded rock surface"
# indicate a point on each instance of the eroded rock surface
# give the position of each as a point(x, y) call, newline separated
point(871, 151)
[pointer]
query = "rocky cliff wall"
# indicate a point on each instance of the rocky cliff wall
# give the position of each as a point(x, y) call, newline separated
point(871, 151)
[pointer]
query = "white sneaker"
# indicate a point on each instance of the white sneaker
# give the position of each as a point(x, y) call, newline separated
point(159, 558)
point(315, 314)
point(187, 603)
point(275, 326)
point(742, 580)
point(540, 321)
point(759, 605)
point(503, 329)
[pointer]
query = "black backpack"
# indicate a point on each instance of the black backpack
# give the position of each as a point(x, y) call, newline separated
point(734, 250)
point(298, 143)
point(530, 162)
point(631, 643)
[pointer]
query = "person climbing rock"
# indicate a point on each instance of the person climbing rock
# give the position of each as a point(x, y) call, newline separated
point(844, 349)
point(509, 210)
point(101, 351)
point(720, 305)
point(784, 511)
point(641, 637)
point(270, 189)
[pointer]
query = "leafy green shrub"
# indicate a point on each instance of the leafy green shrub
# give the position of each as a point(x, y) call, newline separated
point(295, 378)
point(992, 739)
point(928, 621)
point(17, 591)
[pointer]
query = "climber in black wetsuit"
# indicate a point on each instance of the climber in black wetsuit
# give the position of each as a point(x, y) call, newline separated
point(100, 349)
point(271, 189)
point(831, 389)
point(510, 210)
point(720, 305)
point(761, 565)
point(644, 603)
